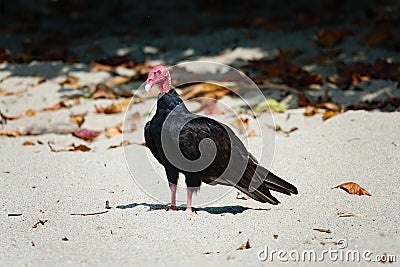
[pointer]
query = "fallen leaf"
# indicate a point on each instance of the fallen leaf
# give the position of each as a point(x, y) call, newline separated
point(78, 119)
point(353, 188)
point(118, 80)
point(42, 222)
point(96, 66)
point(28, 143)
point(310, 111)
point(71, 81)
point(87, 135)
point(328, 231)
point(123, 143)
point(73, 148)
point(64, 239)
point(325, 58)
point(29, 112)
point(103, 90)
point(242, 124)
point(331, 37)
point(6, 92)
point(329, 114)
point(113, 131)
point(328, 106)
point(118, 107)
point(276, 66)
point(240, 195)
point(9, 133)
point(32, 243)
point(275, 236)
point(252, 133)
point(244, 246)
point(208, 90)
point(57, 106)
point(271, 104)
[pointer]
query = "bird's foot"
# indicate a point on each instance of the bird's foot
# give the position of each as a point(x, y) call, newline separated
point(173, 207)
point(189, 209)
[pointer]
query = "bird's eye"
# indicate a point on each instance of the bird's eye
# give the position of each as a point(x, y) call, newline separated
point(159, 72)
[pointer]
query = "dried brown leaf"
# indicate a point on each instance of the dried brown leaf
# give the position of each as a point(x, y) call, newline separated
point(310, 111)
point(242, 124)
point(78, 119)
point(103, 91)
point(96, 66)
point(329, 114)
point(210, 90)
point(353, 188)
point(245, 245)
point(10, 133)
point(118, 107)
point(329, 106)
point(113, 131)
point(252, 133)
point(123, 143)
point(28, 143)
point(29, 112)
point(323, 230)
point(73, 148)
point(331, 37)
point(71, 81)
point(6, 92)
point(57, 106)
point(85, 134)
point(118, 80)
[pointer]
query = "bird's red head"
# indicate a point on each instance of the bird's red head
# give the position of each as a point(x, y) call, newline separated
point(159, 75)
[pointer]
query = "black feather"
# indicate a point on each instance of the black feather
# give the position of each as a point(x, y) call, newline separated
point(232, 165)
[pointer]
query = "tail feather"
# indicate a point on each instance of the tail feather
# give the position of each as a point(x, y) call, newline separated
point(270, 182)
point(275, 183)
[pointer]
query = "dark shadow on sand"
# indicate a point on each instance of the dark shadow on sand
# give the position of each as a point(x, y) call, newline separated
point(212, 210)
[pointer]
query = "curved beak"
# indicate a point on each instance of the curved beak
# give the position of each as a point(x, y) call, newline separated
point(148, 87)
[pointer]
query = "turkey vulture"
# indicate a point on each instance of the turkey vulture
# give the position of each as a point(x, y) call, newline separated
point(203, 149)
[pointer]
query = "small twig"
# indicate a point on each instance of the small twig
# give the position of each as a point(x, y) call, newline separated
point(89, 214)
point(353, 139)
point(14, 214)
point(139, 144)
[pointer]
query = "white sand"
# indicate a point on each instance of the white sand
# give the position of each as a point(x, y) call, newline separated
point(43, 185)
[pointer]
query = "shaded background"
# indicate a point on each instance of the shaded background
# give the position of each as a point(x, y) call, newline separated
point(87, 30)
point(301, 44)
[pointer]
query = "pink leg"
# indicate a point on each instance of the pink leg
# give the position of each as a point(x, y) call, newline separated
point(173, 196)
point(189, 199)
